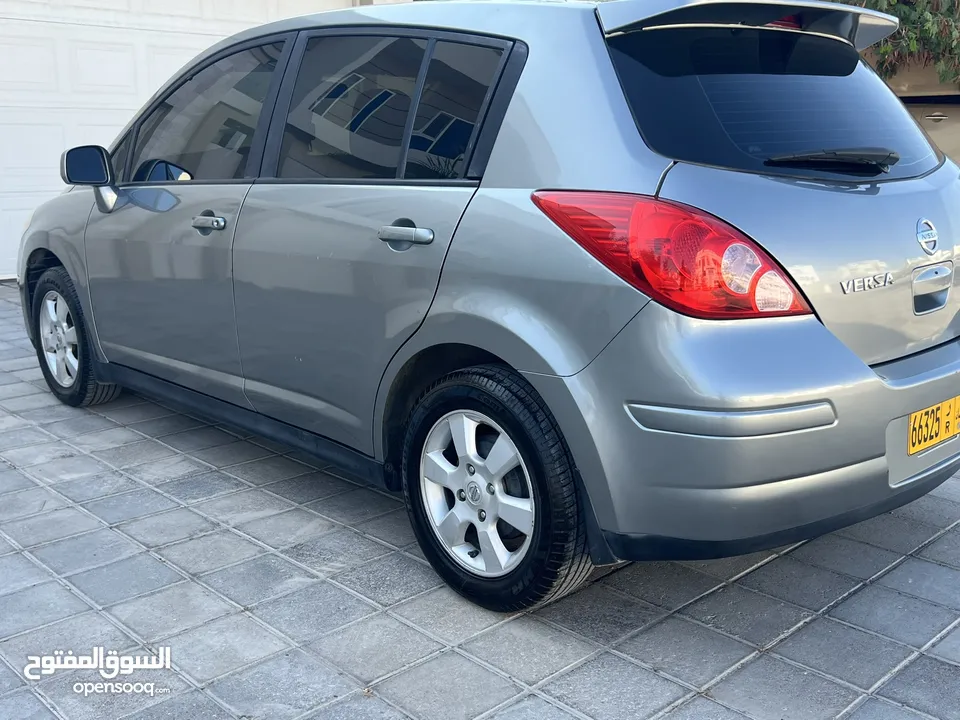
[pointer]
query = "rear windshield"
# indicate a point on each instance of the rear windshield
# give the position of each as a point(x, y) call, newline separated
point(734, 98)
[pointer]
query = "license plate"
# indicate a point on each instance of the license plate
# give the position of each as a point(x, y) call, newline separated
point(932, 426)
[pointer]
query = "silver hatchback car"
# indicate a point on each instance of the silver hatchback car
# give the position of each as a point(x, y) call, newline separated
point(587, 282)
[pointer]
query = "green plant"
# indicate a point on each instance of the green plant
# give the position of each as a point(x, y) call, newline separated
point(929, 34)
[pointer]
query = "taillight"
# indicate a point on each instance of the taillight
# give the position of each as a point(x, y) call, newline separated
point(682, 257)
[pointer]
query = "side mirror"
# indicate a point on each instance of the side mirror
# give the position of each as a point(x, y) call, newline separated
point(86, 165)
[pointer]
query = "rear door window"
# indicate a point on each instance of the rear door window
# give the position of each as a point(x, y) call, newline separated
point(735, 98)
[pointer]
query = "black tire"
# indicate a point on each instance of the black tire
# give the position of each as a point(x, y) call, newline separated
point(85, 390)
point(557, 561)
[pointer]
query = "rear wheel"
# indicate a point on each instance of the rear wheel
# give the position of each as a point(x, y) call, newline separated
point(489, 487)
point(62, 342)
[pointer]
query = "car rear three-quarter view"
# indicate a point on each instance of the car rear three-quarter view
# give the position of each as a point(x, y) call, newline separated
point(587, 282)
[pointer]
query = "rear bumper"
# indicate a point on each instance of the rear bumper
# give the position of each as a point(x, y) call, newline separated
point(700, 439)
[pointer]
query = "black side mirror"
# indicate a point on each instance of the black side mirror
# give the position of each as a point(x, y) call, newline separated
point(86, 165)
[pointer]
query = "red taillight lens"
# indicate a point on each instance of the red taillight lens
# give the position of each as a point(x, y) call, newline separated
point(682, 257)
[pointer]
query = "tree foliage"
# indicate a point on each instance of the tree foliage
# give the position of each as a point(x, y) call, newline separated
point(929, 34)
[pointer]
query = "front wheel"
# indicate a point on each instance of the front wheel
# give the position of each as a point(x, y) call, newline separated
point(489, 486)
point(63, 345)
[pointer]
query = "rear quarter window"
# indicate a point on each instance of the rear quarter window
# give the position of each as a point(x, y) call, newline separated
point(735, 97)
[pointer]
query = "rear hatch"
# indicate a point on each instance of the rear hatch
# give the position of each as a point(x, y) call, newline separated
point(782, 131)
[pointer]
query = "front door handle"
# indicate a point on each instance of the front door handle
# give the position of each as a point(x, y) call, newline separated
point(209, 222)
point(403, 235)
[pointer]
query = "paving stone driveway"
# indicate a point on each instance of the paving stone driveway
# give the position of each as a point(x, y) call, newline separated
point(287, 592)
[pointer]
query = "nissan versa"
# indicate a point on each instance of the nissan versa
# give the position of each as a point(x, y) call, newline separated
point(587, 282)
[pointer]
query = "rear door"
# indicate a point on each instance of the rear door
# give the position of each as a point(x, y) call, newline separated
point(871, 244)
point(338, 253)
point(941, 120)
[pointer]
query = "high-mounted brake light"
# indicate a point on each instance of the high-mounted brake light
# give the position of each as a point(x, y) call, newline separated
point(790, 21)
point(682, 257)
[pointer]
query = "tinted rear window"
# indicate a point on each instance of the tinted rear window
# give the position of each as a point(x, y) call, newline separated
point(733, 98)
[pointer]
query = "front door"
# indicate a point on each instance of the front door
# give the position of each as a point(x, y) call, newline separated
point(942, 123)
point(338, 259)
point(159, 264)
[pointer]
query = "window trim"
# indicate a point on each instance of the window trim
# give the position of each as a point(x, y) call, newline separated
point(255, 159)
point(274, 141)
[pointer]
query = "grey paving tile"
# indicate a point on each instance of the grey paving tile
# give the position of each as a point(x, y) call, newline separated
point(106, 439)
point(894, 615)
point(91, 488)
point(282, 687)
point(702, 709)
point(931, 510)
point(12, 480)
point(6, 547)
point(805, 585)
point(728, 568)
point(198, 439)
point(288, 528)
point(49, 415)
point(194, 488)
point(686, 651)
point(417, 691)
point(17, 572)
point(925, 580)
point(945, 550)
point(313, 611)
point(232, 454)
point(49, 526)
point(136, 453)
point(844, 555)
point(666, 585)
point(223, 645)
point(307, 488)
point(610, 688)
point(390, 579)
point(528, 650)
point(167, 425)
point(73, 427)
point(170, 611)
point(167, 527)
point(36, 606)
point(355, 506)
point(67, 469)
point(12, 422)
point(891, 532)
point(18, 389)
point(874, 709)
point(770, 689)
point(99, 706)
point(134, 413)
point(458, 621)
point(210, 552)
point(949, 490)
point(269, 469)
point(360, 707)
point(136, 503)
point(393, 528)
point(929, 685)
point(600, 614)
point(259, 579)
point(21, 437)
point(79, 633)
point(32, 501)
point(24, 705)
point(242, 507)
point(747, 615)
point(949, 647)
point(374, 647)
point(9, 680)
point(843, 652)
point(188, 706)
point(532, 707)
point(335, 551)
point(124, 579)
point(29, 402)
point(85, 551)
point(171, 468)
point(38, 454)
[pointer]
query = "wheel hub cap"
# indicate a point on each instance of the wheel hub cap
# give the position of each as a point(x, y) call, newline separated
point(474, 494)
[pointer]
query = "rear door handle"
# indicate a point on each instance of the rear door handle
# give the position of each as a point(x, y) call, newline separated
point(936, 117)
point(402, 234)
point(209, 222)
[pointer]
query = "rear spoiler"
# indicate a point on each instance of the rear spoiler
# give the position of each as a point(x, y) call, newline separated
point(858, 26)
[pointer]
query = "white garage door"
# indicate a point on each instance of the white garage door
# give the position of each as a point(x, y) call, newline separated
point(72, 73)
